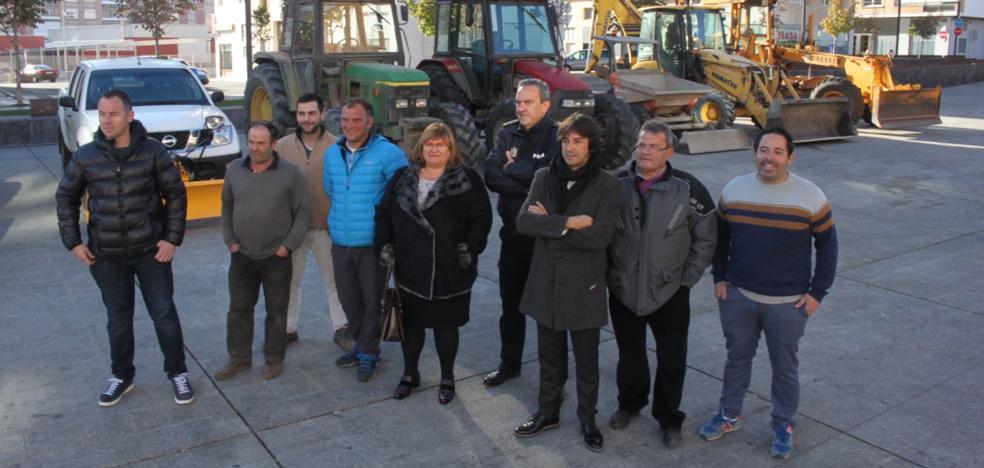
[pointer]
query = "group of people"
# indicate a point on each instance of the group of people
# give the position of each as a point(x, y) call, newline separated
point(578, 245)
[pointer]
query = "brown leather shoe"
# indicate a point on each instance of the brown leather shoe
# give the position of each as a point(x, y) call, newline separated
point(231, 369)
point(272, 371)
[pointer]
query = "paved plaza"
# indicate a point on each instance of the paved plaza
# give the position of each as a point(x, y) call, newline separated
point(892, 365)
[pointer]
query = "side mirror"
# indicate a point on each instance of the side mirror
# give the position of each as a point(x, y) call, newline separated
point(218, 96)
point(404, 13)
point(66, 101)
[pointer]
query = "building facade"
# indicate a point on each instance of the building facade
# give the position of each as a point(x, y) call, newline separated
point(968, 14)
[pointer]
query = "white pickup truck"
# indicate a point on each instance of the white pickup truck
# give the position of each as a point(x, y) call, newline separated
point(167, 98)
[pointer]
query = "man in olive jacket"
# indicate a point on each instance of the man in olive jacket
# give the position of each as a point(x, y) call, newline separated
point(571, 211)
point(132, 233)
point(665, 240)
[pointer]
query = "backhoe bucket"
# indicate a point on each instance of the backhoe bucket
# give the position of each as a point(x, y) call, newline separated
point(902, 108)
point(712, 141)
point(204, 199)
point(813, 119)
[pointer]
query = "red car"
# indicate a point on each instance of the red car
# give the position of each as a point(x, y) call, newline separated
point(37, 73)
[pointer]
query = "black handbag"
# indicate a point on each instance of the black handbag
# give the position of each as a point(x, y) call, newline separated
point(392, 313)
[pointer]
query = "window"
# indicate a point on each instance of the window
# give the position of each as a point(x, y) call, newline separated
point(71, 13)
point(470, 38)
point(192, 16)
point(359, 27)
point(443, 26)
point(147, 86)
point(588, 13)
point(90, 13)
point(962, 46)
point(521, 28)
point(871, 3)
point(225, 57)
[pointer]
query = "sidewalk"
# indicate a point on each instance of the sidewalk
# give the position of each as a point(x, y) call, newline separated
point(892, 367)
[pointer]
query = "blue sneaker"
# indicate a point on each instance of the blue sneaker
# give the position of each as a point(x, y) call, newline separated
point(367, 367)
point(348, 359)
point(782, 440)
point(719, 425)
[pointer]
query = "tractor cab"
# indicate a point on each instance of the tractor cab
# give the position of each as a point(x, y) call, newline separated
point(679, 33)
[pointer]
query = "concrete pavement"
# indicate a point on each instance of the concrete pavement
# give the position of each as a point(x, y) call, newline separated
point(891, 366)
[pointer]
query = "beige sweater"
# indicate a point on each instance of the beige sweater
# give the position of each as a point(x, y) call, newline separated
point(291, 148)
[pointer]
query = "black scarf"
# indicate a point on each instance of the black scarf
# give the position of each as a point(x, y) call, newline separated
point(560, 174)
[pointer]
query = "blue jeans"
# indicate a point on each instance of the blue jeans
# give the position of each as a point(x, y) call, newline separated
point(743, 321)
point(115, 278)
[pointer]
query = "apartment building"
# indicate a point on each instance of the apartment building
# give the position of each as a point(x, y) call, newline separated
point(967, 15)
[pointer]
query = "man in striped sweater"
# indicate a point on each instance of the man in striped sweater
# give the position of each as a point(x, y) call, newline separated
point(765, 280)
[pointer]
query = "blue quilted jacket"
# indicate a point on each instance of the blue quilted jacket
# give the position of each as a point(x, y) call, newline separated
point(355, 182)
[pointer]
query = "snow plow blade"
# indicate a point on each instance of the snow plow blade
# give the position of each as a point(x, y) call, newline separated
point(813, 119)
point(904, 108)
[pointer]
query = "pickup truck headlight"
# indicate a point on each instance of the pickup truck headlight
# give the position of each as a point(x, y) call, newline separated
point(222, 135)
point(213, 122)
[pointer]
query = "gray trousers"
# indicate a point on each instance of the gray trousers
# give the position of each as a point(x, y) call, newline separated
point(359, 280)
point(743, 321)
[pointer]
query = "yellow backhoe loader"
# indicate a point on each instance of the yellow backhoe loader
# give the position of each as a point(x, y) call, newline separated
point(868, 82)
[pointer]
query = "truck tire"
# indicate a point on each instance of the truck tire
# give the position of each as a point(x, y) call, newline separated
point(641, 113)
point(496, 118)
point(620, 129)
point(442, 86)
point(841, 87)
point(714, 109)
point(465, 131)
point(266, 97)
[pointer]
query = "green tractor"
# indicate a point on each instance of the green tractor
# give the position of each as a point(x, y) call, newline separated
point(343, 49)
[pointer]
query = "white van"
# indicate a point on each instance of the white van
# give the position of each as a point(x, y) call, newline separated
point(167, 98)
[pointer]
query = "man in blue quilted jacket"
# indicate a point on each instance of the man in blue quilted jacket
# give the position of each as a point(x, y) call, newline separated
point(357, 168)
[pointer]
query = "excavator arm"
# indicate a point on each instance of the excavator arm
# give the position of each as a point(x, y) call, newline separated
point(621, 15)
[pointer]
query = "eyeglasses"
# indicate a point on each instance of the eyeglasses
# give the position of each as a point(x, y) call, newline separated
point(439, 145)
point(645, 147)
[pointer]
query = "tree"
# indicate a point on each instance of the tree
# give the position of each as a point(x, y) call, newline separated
point(923, 27)
point(839, 20)
point(16, 14)
point(261, 25)
point(154, 15)
point(424, 11)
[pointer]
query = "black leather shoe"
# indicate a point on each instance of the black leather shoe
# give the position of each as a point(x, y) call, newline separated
point(592, 437)
point(498, 377)
point(406, 385)
point(535, 425)
point(672, 438)
point(445, 393)
point(292, 337)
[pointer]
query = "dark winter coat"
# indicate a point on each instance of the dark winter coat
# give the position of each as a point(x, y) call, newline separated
point(426, 241)
point(134, 201)
point(566, 285)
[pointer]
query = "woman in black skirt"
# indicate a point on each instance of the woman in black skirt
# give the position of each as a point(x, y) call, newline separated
point(432, 223)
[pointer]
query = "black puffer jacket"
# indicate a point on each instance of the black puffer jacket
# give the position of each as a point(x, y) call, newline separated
point(127, 216)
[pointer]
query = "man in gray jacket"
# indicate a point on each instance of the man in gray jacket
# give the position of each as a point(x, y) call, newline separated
point(265, 217)
point(665, 238)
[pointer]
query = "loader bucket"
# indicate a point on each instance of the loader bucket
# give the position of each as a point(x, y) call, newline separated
point(813, 119)
point(204, 198)
point(902, 108)
point(712, 141)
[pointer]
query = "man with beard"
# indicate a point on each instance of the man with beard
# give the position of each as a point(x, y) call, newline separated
point(305, 147)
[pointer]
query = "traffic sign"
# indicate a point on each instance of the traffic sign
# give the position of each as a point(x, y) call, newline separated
point(957, 31)
point(958, 22)
point(943, 32)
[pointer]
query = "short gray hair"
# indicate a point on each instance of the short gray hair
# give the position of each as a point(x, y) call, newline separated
point(656, 126)
point(539, 84)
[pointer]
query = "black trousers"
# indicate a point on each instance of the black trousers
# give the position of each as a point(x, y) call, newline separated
point(552, 345)
point(359, 281)
point(514, 267)
point(669, 325)
point(246, 277)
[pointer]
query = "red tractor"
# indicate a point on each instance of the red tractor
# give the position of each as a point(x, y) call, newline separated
point(484, 48)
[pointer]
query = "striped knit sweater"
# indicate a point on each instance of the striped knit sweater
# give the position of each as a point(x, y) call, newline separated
point(765, 233)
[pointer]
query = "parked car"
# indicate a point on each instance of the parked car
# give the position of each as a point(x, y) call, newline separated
point(39, 72)
point(202, 75)
point(167, 98)
point(577, 60)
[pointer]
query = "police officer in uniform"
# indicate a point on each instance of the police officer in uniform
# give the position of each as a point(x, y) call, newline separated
point(522, 147)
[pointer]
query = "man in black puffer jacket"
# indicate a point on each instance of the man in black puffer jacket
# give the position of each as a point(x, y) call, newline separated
point(132, 233)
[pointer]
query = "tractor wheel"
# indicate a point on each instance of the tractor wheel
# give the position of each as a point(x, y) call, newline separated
point(840, 87)
point(63, 151)
point(333, 121)
point(641, 113)
point(714, 109)
point(496, 118)
point(465, 131)
point(442, 86)
point(266, 97)
point(620, 129)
